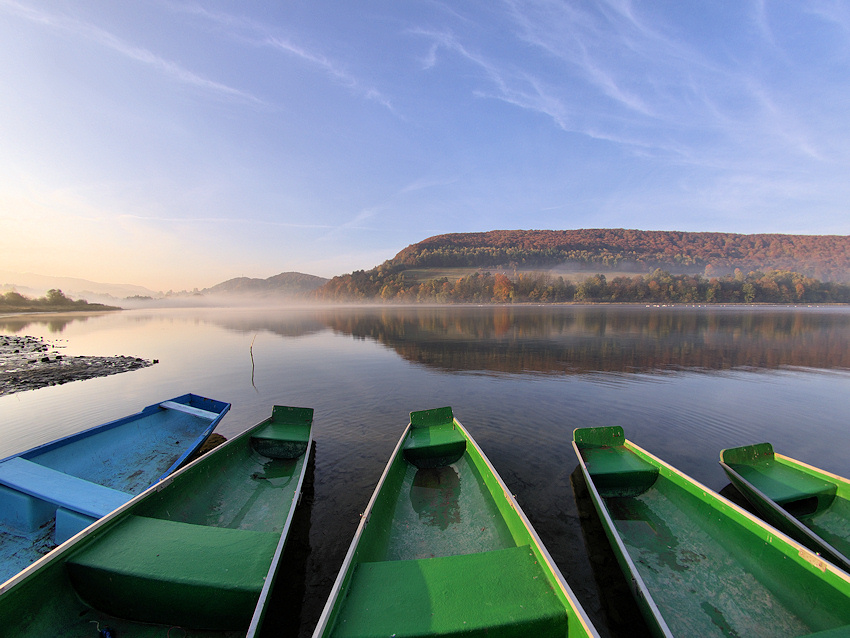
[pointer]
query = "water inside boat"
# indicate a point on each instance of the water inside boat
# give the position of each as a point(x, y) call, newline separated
point(706, 582)
point(832, 524)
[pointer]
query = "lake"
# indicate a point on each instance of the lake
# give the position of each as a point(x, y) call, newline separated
point(683, 382)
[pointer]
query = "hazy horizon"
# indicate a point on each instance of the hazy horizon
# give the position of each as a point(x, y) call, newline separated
point(175, 145)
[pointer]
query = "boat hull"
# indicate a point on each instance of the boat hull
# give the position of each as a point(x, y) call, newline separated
point(698, 564)
point(53, 491)
point(199, 550)
point(443, 549)
point(809, 504)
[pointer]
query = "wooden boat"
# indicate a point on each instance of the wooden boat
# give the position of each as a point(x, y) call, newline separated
point(443, 549)
point(51, 492)
point(810, 505)
point(698, 564)
point(198, 551)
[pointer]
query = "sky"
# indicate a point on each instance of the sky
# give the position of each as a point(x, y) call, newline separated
point(176, 144)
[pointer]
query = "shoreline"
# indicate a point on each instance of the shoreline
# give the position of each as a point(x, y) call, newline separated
point(29, 363)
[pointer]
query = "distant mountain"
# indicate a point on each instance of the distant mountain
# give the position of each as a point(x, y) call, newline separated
point(286, 284)
point(34, 285)
point(826, 257)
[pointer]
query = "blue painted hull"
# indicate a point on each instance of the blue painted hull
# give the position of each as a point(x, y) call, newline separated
point(53, 491)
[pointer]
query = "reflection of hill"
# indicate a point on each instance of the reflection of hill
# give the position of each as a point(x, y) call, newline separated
point(284, 324)
point(588, 339)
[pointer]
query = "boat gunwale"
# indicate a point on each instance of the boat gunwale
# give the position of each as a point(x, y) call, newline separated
point(803, 556)
point(538, 544)
point(345, 572)
point(767, 502)
point(639, 588)
point(260, 609)
point(813, 469)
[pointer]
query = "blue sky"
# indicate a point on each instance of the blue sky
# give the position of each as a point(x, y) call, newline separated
point(177, 144)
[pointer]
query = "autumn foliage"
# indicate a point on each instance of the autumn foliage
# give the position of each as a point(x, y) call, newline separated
point(388, 284)
point(706, 267)
point(825, 257)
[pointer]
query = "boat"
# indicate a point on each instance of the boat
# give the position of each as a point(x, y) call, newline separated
point(697, 564)
point(53, 491)
point(809, 504)
point(196, 554)
point(443, 549)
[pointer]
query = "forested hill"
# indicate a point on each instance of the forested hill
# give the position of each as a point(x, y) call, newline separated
point(826, 257)
point(292, 284)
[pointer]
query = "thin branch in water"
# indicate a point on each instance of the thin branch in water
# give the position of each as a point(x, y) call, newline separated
point(251, 351)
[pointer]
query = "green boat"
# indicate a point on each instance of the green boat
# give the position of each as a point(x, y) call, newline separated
point(194, 555)
point(809, 504)
point(698, 564)
point(443, 549)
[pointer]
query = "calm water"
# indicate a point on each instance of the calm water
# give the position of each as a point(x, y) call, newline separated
point(683, 382)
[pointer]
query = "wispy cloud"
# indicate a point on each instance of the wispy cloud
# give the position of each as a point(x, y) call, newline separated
point(426, 183)
point(514, 87)
point(667, 94)
point(355, 223)
point(259, 34)
point(222, 220)
point(138, 54)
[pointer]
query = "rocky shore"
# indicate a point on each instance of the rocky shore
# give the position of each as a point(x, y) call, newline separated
point(27, 363)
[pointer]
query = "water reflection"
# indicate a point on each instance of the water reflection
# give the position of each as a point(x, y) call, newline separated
point(434, 496)
point(549, 340)
point(578, 340)
point(55, 323)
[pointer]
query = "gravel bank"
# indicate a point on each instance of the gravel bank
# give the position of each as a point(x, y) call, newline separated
point(27, 363)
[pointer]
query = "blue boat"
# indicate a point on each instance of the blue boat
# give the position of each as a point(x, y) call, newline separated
point(53, 491)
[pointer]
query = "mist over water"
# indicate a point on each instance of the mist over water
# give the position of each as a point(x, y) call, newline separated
point(683, 382)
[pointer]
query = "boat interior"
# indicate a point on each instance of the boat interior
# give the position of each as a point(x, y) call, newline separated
point(706, 572)
point(440, 556)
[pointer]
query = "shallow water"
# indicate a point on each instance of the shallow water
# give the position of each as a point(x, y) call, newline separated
point(683, 382)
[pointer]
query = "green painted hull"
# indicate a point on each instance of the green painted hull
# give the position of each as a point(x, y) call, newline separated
point(698, 564)
point(443, 549)
point(198, 551)
point(810, 505)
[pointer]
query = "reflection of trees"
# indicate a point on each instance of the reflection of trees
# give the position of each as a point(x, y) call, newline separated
point(587, 339)
point(54, 323)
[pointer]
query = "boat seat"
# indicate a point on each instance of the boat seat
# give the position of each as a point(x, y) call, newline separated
point(790, 488)
point(188, 409)
point(36, 493)
point(281, 440)
point(472, 594)
point(161, 571)
point(434, 446)
point(286, 434)
point(617, 471)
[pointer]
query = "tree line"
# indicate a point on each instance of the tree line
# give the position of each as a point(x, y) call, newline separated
point(54, 300)
point(388, 283)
